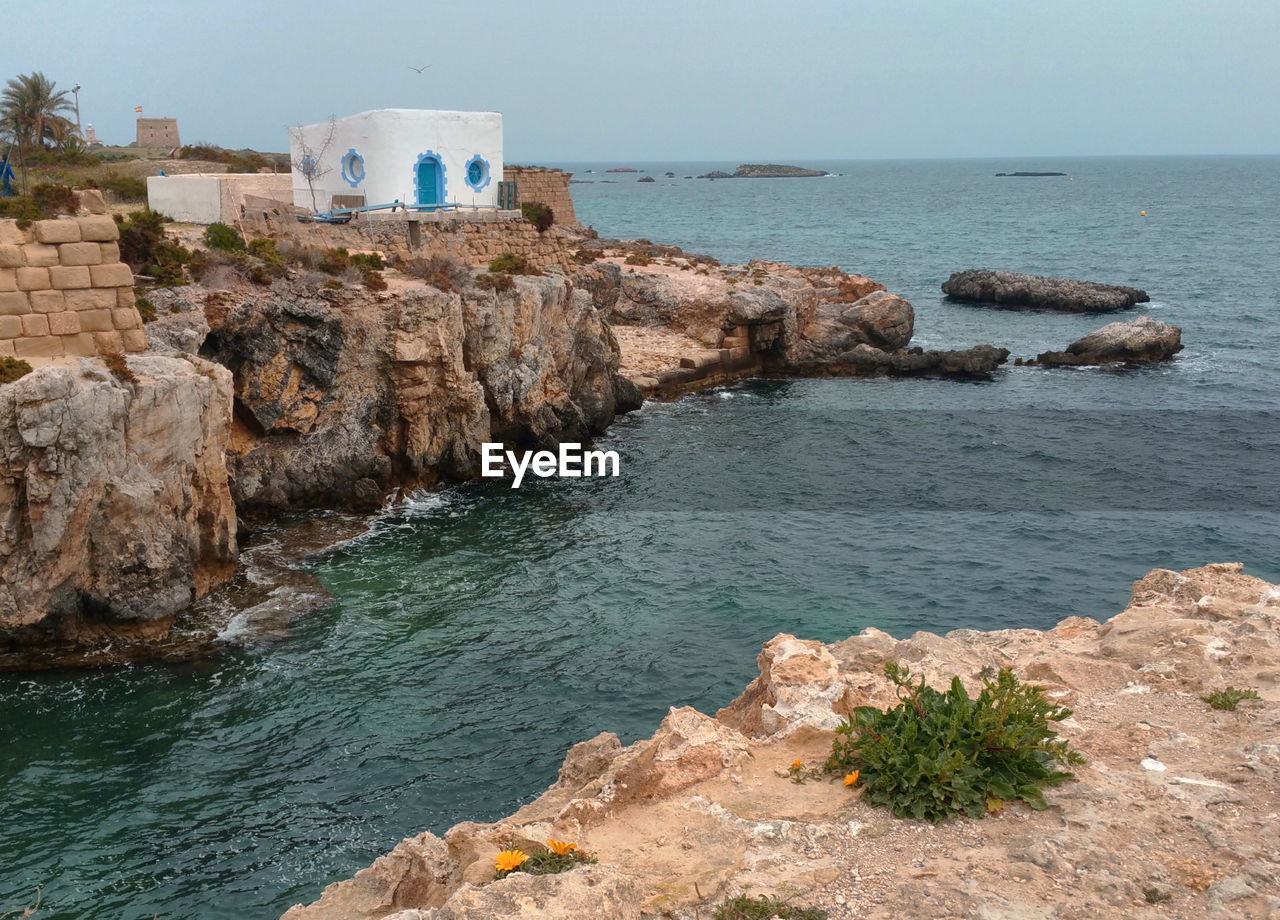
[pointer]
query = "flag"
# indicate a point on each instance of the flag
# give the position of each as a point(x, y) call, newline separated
point(138, 109)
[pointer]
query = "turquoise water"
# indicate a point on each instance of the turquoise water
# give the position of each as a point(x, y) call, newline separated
point(477, 633)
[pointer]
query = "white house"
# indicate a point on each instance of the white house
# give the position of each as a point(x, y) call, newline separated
point(415, 156)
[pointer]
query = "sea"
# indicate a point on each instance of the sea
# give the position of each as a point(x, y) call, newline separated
point(475, 633)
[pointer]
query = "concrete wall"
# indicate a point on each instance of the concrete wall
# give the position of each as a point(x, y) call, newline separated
point(391, 142)
point(64, 290)
point(549, 186)
point(203, 198)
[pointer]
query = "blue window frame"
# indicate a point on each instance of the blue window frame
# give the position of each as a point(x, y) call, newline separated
point(353, 167)
point(477, 172)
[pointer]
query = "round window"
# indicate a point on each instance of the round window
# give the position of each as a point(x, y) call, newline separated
point(307, 166)
point(477, 172)
point(352, 167)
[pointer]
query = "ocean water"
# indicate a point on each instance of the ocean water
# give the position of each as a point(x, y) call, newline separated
point(478, 632)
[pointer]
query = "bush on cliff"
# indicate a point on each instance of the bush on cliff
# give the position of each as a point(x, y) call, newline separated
point(220, 236)
point(12, 369)
point(941, 754)
point(744, 907)
point(442, 272)
point(45, 200)
point(513, 264)
point(145, 248)
point(538, 214)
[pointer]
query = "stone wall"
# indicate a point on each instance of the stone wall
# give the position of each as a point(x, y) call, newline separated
point(64, 290)
point(158, 132)
point(549, 186)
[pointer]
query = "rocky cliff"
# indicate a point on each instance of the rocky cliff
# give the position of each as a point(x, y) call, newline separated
point(341, 395)
point(1173, 816)
point(115, 500)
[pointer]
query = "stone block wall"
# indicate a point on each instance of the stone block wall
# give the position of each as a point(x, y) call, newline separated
point(550, 186)
point(64, 290)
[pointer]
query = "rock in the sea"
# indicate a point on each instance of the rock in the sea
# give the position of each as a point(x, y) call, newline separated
point(115, 511)
point(1018, 291)
point(866, 361)
point(1137, 341)
point(646, 179)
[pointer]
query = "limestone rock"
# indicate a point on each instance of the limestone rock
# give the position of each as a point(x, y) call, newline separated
point(799, 684)
point(117, 512)
point(588, 891)
point(866, 361)
point(1138, 341)
point(1018, 291)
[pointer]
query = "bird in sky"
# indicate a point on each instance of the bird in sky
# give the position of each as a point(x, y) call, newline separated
point(418, 69)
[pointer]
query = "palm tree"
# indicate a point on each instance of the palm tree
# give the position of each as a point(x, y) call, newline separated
point(30, 107)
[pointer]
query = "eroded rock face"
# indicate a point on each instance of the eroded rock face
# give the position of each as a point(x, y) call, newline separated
point(1015, 290)
point(117, 512)
point(1138, 341)
point(341, 397)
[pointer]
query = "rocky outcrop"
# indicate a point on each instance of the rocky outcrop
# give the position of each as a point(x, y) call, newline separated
point(765, 171)
point(1139, 341)
point(1174, 807)
point(117, 512)
point(1016, 291)
point(341, 396)
point(979, 361)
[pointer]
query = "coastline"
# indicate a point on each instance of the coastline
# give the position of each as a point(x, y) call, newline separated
point(707, 808)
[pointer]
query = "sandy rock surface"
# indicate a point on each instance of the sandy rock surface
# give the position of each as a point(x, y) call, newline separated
point(1175, 815)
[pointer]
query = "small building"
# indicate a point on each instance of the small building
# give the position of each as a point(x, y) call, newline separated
point(422, 158)
point(158, 132)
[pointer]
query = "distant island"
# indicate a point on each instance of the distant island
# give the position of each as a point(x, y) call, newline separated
point(1031, 174)
point(622, 169)
point(765, 171)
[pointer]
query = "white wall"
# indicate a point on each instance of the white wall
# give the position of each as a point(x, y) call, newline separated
point(391, 140)
point(192, 199)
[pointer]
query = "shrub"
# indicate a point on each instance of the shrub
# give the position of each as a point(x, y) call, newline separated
point(584, 256)
point(538, 214)
point(21, 208)
point(369, 260)
point(12, 369)
point(638, 258)
point(557, 856)
point(440, 271)
point(146, 309)
point(373, 280)
point(126, 188)
point(220, 236)
point(765, 908)
point(145, 249)
point(334, 261)
point(119, 367)
point(55, 199)
point(937, 755)
point(513, 264)
point(1229, 698)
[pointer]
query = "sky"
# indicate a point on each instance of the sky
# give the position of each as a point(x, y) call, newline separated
point(689, 81)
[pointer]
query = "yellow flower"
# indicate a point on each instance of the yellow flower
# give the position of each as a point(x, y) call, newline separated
point(510, 860)
point(561, 847)
point(851, 778)
point(797, 764)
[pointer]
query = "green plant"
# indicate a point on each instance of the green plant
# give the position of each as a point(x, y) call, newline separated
point(1154, 895)
point(638, 258)
point(146, 309)
point(145, 248)
point(55, 199)
point(334, 261)
point(510, 262)
point(220, 236)
point(126, 188)
point(440, 271)
point(373, 280)
point(538, 214)
point(370, 260)
point(21, 208)
point(557, 856)
point(765, 908)
point(1229, 698)
point(941, 754)
point(333, 284)
point(12, 369)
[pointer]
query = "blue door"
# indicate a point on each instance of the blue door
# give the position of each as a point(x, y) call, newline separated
point(430, 184)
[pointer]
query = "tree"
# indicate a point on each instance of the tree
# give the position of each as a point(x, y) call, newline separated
point(309, 158)
point(30, 107)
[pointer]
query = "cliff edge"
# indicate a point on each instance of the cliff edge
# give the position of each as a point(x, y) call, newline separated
point(1173, 815)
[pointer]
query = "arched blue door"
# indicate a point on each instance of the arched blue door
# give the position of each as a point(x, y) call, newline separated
point(430, 180)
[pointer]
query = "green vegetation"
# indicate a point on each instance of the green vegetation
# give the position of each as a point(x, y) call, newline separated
point(538, 214)
point(220, 236)
point(941, 754)
point(12, 369)
point(236, 161)
point(1154, 895)
point(765, 908)
point(119, 368)
point(146, 309)
point(1229, 698)
point(145, 249)
point(499, 282)
point(442, 272)
point(548, 862)
point(125, 188)
point(512, 264)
